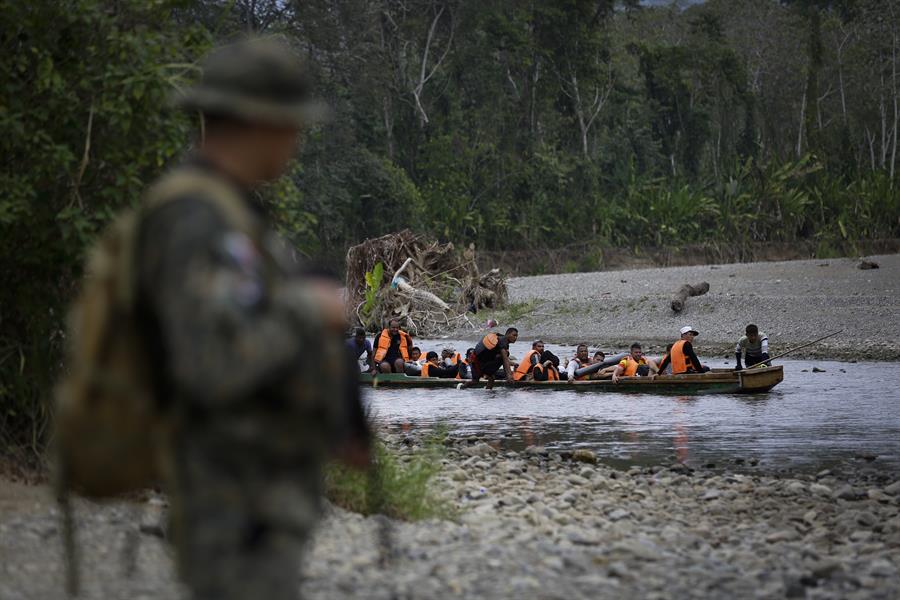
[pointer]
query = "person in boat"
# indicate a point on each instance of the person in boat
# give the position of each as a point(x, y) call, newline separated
point(681, 357)
point(465, 365)
point(534, 366)
point(415, 355)
point(392, 348)
point(582, 359)
point(432, 367)
point(450, 357)
point(634, 365)
point(668, 368)
point(491, 353)
point(357, 345)
point(754, 346)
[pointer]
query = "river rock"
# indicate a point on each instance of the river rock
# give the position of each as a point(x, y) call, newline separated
point(480, 449)
point(618, 514)
point(826, 568)
point(893, 489)
point(796, 487)
point(639, 548)
point(845, 492)
point(784, 535)
point(820, 489)
point(584, 455)
point(711, 494)
point(577, 480)
point(459, 475)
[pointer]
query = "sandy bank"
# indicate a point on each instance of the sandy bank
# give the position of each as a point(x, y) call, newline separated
point(792, 301)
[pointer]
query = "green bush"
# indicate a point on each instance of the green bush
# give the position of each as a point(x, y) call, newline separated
point(396, 487)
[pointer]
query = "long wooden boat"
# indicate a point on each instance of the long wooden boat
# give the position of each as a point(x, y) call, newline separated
point(717, 381)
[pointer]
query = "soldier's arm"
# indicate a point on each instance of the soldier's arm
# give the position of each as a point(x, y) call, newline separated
point(225, 331)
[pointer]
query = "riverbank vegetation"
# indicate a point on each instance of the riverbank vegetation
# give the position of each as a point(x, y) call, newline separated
point(399, 484)
point(514, 126)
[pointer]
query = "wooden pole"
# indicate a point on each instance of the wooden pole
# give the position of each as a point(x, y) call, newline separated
point(785, 353)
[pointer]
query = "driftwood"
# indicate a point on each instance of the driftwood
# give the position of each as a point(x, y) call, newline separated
point(686, 291)
point(429, 286)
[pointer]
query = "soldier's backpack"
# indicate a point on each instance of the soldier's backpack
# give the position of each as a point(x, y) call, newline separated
point(110, 435)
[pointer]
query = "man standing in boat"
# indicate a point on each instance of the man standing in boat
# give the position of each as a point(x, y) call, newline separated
point(491, 353)
point(682, 357)
point(754, 347)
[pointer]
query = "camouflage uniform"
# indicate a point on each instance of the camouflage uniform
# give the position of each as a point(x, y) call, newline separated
point(244, 364)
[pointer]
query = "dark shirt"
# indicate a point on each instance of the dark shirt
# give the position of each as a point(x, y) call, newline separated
point(393, 351)
point(356, 350)
point(487, 355)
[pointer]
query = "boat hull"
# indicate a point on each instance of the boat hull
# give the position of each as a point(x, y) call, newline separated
point(719, 381)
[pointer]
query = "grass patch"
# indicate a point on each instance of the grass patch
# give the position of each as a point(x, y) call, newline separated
point(397, 487)
point(519, 310)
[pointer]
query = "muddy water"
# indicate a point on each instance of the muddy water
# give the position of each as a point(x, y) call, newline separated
point(848, 415)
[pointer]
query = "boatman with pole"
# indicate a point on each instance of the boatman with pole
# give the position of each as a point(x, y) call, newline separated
point(754, 347)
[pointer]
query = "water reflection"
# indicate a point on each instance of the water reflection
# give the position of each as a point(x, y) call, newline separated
point(811, 420)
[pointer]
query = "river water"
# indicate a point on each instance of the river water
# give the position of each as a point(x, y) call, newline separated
point(848, 415)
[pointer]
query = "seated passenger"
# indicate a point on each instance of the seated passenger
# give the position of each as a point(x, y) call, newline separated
point(450, 357)
point(581, 360)
point(433, 368)
point(392, 348)
point(534, 367)
point(465, 365)
point(754, 346)
point(359, 344)
point(634, 365)
point(668, 368)
point(415, 355)
point(603, 372)
point(681, 357)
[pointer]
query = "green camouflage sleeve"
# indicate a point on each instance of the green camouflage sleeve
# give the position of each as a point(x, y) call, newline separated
point(226, 329)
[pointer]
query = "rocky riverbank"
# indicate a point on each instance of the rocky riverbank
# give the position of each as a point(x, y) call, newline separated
point(792, 301)
point(533, 524)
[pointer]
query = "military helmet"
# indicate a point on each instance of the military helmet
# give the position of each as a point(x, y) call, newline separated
point(256, 80)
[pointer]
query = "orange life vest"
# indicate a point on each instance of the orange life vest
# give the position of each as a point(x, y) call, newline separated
point(425, 368)
point(465, 363)
point(524, 367)
point(630, 366)
point(490, 341)
point(384, 344)
point(582, 365)
point(552, 373)
point(677, 358)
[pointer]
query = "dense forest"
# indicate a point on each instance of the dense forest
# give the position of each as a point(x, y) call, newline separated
point(511, 124)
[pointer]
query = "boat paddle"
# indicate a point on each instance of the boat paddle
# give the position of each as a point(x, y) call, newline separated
point(785, 353)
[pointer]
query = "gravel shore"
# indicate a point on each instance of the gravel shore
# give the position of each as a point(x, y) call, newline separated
point(532, 524)
point(793, 302)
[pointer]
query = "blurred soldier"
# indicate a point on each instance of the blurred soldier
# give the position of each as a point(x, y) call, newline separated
point(248, 352)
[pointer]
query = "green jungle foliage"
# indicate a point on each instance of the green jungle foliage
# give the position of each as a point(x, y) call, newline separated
point(514, 125)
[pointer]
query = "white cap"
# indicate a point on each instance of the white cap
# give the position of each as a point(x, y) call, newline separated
point(689, 329)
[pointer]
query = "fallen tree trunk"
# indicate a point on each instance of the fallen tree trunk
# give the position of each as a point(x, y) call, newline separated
point(686, 291)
